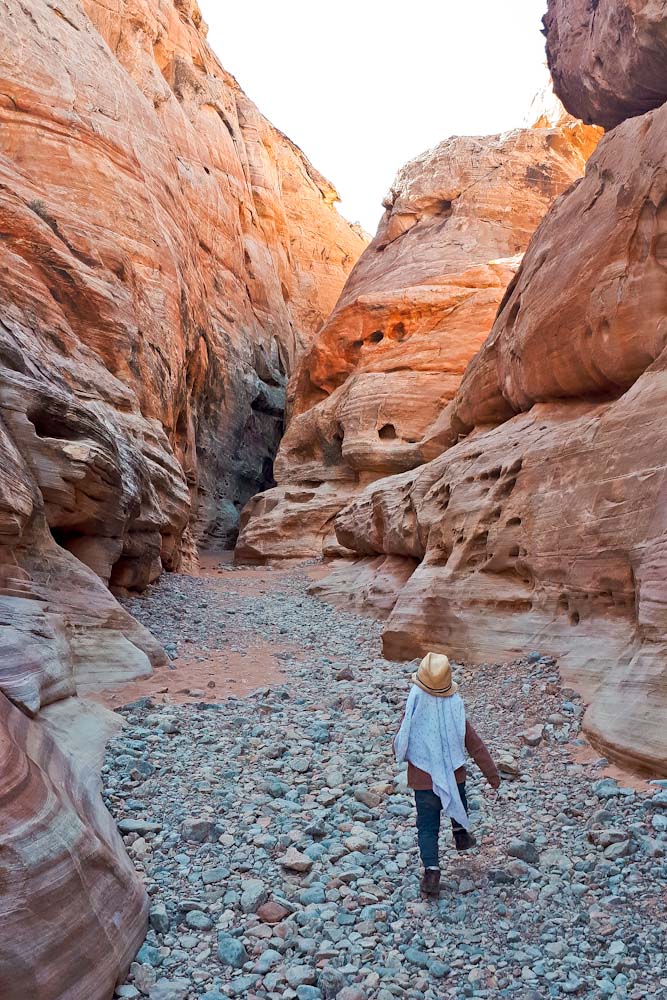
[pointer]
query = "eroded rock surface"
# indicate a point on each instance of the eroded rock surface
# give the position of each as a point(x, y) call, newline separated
point(156, 301)
point(545, 525)
point(416, 308)
point(165, 254)
point(73, 909)
point(608, 60)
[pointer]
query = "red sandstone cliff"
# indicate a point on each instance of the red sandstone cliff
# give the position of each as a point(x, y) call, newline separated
point(541, 524)
point(165, 254)
point(366, 399)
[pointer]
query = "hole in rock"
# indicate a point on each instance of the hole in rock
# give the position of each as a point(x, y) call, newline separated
point(332, 451)
point(513, 522)
point(376, 337)
point(512, 314)
point(11, 357)
point(388, 433)
point(504, 489)
point(514, 552)
point(299, 497)
point(53, 425)
point(64, 537)
point(575, 618)
point(247, 260)
point(398, 331)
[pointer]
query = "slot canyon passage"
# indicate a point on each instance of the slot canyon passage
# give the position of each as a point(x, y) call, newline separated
point(254, 464)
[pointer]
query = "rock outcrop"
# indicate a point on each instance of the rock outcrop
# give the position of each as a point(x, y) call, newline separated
point(73, 909)
point(165, 255)
point(608, 60)
point(416, 308)
point(542, 523)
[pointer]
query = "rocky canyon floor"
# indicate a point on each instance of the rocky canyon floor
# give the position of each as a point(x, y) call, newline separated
point(256, 791)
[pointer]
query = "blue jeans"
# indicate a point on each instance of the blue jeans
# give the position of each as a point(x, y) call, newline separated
point(429, 808)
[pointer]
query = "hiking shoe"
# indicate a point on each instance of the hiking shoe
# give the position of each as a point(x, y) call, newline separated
point(463, 840)
point(430, 883)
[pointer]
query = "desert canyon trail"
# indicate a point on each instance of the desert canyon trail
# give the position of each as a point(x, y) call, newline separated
point(254, 462)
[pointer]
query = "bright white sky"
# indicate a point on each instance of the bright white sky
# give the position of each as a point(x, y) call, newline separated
point(362, 86)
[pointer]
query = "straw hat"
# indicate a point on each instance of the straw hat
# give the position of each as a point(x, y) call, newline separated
point(435, 676)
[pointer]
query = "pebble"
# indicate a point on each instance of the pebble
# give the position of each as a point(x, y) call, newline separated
point(533, 736)
point(138, 826)
point(241, 987)
point(231, 951)
point(308, 993)
point(158, 918)
point(300, 975)
point(198, 921)
point(295, 861)
point(196, 830)
point(524, 851)
point(164, 989)
point(253, 894)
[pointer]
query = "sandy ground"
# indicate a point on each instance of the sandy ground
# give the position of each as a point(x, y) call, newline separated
point(201, 674)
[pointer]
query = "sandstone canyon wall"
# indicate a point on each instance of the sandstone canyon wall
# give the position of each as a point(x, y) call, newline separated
point(542, 522)
point(165, 254)
point(366, 399)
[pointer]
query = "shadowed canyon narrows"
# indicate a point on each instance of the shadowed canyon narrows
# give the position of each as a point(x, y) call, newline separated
point(461, 421)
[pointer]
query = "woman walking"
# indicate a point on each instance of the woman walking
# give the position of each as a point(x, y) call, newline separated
point(434, 738)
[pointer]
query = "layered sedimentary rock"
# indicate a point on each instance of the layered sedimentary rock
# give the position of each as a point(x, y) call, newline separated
point(542, 525)
point(165, 254)
point(72, 908)
point(608, 60)
point(415, 309)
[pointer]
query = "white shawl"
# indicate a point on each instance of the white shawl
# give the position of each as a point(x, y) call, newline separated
point(432, 738)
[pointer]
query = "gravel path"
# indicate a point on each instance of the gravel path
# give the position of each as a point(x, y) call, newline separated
point(276, 836)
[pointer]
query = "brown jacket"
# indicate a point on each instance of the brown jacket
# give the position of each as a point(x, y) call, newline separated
point(421, 781)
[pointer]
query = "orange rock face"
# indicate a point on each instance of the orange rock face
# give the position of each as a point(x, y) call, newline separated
point(542, 525)
point(165, 255)
point(608, 60)
point(415, 309)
